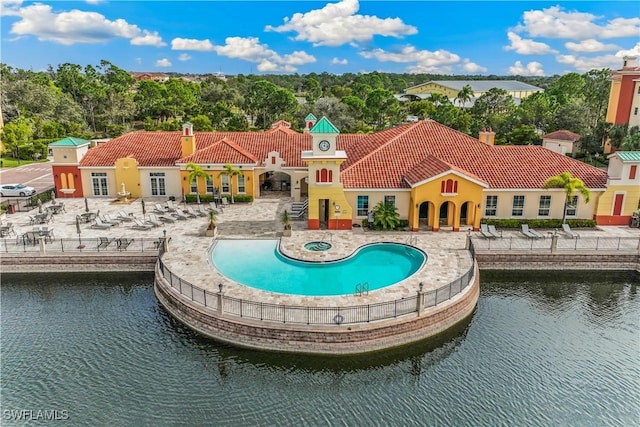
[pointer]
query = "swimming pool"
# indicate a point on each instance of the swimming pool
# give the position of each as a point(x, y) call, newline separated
point(259, 264)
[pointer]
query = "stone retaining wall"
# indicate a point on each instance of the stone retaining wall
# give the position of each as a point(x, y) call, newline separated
point(338, 339)
point(547, 261)
point(10, 263)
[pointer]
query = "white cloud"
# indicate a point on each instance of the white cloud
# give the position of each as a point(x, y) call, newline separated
point(191, 44)
point(164, 62)
point(590, 46)
point(10, 7)
point(184, 57)
point(250, 49)
point(584, 64)
point(93, 1)
point(527, 46)
point(138, 60)
point(556, 23)
point(337, 24)
point(77, 26)
point(338, 61)
point(634, 51)
point(472, 67)
point(440, 61)
point(531, 69)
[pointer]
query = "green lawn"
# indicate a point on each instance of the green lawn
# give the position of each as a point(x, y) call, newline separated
point(10, 162)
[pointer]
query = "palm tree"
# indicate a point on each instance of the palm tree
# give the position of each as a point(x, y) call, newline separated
point(465, 95)
point(385, 216)
point(195, 172)
point(230, 171)
point(570, 184)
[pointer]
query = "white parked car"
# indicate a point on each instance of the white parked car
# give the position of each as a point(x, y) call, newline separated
point(16, 190)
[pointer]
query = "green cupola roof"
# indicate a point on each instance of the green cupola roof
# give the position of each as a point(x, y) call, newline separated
point(310, 117)
point(324, 126)
point(70, 142)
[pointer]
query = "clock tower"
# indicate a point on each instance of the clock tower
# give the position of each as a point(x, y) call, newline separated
point(328, 207)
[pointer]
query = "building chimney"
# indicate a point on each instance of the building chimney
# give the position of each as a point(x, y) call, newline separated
point(629, 61)
point(487, 136)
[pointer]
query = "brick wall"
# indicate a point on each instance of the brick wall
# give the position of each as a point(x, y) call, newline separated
point(77, 263)
point(548, 261)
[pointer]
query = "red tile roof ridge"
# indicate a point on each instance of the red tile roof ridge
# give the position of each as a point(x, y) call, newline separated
point(562, 134)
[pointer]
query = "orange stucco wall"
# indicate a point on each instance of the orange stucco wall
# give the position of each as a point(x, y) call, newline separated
point(62, 191)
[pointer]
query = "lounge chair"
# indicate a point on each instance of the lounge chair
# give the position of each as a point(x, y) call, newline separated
point(214, 207)
point(123, 244)
point(179, 214)
point(139, 225)
point(202, 211)
point(484, 230)
point(153, 220)
point(161, 218)
point(108, 219)
point(104, 242)
point(566, 229)
point(192, 212)
point(494, 232)
point(123, 216)
point(530, 233)
point(171, 206)
point(97, 223)
point(225, 202)
point(160, 209)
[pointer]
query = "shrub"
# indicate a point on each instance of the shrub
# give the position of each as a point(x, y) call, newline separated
point(206, 198)
point(539, 223)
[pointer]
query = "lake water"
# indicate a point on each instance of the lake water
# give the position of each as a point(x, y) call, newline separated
point(541, 349)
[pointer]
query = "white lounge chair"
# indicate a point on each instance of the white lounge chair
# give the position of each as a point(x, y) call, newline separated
point(530, 233)
point(484, 230)
point(566, 229)
point(139, 225)
point(160, 209)
point(225, 202)
point(192, 212)
point(153, 220)
point(97, 223)
point(497, 234)
point(123, 216)
point(214, 207)
point(160, 218)
point(179, 214)
point(106, 218)
point(202, 210)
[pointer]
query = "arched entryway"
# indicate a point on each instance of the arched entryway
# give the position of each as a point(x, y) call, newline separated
point(446, 215)
point(426, 215)
point(467, 215)
point(275, 184)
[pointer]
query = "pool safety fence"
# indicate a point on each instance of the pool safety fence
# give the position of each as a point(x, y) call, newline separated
point(40, 244)
point(558, 243)
point(219, 304)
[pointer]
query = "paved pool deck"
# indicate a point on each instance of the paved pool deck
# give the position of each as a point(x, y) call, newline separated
point(188, 255)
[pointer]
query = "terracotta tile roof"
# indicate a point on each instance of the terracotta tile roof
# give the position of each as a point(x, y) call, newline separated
point(562, 135)
point(380, 160)
point(431, 167)
point(148, 148)
point(221, 152)
point(283, 129)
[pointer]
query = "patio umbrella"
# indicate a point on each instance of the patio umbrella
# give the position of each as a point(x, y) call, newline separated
point(80, 245)
point(39, 206)
point(86, 205)
point(144, 211)
point(53, 197)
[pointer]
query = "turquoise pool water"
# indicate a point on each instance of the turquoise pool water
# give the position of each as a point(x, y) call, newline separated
point(259, 264)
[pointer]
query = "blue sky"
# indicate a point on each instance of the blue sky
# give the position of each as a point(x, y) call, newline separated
point(242, 37)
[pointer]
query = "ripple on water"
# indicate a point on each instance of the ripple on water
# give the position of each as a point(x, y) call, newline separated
point(111, 355)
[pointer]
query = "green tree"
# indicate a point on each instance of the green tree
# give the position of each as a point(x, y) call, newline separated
point(195, 173)
point(231, 171)
point(631, 142)
point(570, 185)
point(385, 216)
point(465, 95)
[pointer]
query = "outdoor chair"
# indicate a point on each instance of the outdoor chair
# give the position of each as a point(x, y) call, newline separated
point(123, 216)
point(163, 218)
point(191, 212)
point(225, 202)
point(484, 230)
point(153, 220)
point(139, 225)
point(202, 211)
point(123, 244)
point(171, 206)
point(104, 242)
point(566, 229)
point(97, 223)
point(530, 233)
point(494, 232)
point(30, 238)
point(214, 207)
point(160, 209)
point(179, 214)
point(108, 219)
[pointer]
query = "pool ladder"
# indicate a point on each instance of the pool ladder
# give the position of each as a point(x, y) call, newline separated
point(362, 289)
point(412, 240)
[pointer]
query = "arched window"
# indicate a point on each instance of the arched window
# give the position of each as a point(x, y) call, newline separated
point(63, 180)
point(70, 180)
point(323, 175)
point(449, 188)
point(317, 176)
point(442, 186)
point(455, 186)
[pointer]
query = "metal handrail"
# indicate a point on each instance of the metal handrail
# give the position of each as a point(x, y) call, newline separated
point(217, 303)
